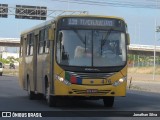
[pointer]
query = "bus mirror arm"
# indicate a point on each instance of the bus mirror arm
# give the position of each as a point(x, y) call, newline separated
point(127, 39)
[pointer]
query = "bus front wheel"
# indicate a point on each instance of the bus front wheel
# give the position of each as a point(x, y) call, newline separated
point(108, 101)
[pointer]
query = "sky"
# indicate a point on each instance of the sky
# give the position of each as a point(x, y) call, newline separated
point(141, 21)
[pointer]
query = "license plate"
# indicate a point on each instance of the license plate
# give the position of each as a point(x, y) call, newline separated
point(92, 90)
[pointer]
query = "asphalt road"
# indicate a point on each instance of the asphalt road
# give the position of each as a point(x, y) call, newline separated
point(13, 98)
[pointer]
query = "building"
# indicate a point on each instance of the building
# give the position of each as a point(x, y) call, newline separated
point(9, 47)
point(2, 49)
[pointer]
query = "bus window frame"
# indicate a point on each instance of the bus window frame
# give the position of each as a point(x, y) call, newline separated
point(40, 41)
point(43, 41)
point(30, 44)
point(83, 68)
point(46, 41)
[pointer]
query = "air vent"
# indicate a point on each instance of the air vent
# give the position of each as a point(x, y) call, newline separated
point(92, 75)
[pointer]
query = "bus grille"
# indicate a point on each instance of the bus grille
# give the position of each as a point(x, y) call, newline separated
point(92, 75)
point(85, 91)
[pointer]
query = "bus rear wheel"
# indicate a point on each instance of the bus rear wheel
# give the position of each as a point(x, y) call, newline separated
point(108, 101)
point(51, 100)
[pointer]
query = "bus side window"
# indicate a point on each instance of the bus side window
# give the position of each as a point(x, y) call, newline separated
point(27, 45)
point(41, 41)
point(64, 57)
point(46, 41)
point(30, 44)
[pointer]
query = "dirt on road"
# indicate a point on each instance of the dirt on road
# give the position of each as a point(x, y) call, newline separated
point(144, 82)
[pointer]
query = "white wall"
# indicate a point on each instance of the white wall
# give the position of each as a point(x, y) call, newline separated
point(2, 49)
point(7, 54)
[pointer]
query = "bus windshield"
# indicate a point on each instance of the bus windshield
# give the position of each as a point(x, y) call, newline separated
point(91, 48)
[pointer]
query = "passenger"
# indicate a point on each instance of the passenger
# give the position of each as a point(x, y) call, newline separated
point(81, 52)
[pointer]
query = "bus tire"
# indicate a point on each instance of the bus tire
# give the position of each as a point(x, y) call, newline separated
point(108, 101)
point(39, 96)
point(52, 102)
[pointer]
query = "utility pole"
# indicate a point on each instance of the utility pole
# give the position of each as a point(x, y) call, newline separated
point(155, 38)
point(154, 59)
point(157, 30)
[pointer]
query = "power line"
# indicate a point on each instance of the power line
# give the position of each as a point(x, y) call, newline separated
point(34, 12)
point(150, 4)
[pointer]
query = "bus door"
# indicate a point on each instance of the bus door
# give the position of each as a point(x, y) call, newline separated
point(51, 39)
point(35, 61)
point(22, 62)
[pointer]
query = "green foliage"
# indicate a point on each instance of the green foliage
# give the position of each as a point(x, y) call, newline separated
point(9, 60)
point(142, 60)
point(4, 61)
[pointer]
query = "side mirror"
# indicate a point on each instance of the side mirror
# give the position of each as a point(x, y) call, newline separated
point(51, 34)
point(127, 39)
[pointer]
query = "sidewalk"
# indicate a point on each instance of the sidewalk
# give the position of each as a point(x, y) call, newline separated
point(143, 77)
point(144, 82)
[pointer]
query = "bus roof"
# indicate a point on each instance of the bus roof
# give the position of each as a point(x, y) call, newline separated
point(96, 16)
point(59, 17)
point(37, 26)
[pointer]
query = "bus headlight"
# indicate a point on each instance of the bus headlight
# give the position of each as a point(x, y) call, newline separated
point(120, 81)
point(61, 79)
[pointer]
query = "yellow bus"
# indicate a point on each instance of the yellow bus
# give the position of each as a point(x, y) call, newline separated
point(75, 56)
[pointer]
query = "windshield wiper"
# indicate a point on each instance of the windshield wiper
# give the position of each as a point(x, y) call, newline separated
point(103, 41)
point(85, 43)
point(80, 37)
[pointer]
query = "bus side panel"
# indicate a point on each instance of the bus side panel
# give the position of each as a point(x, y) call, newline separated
point(29, 72)
point(35, 39)
point(42, 71)
point(43, 64)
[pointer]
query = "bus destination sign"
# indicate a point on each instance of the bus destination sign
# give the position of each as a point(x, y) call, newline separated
point(92, 22)
point(100, 23)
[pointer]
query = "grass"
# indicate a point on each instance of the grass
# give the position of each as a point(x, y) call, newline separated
point(11, 72)
point(144, 70)
point(134, 87)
